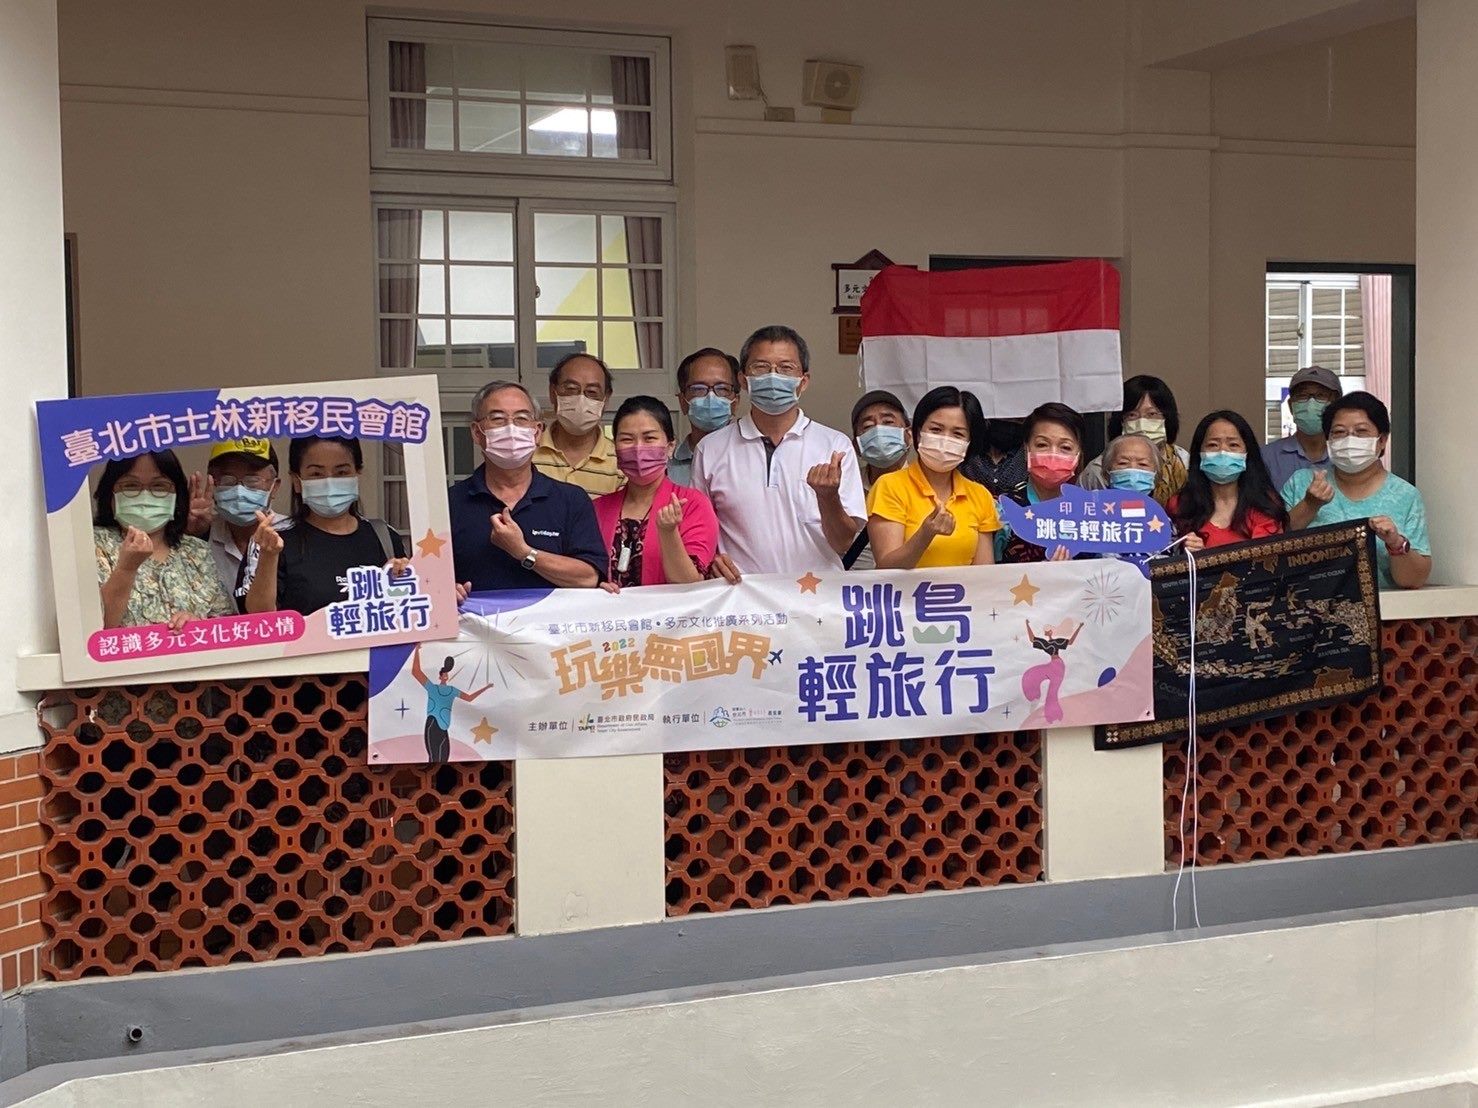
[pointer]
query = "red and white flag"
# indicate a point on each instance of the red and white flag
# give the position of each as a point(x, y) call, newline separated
point(1016, 336)
point(1132, 509)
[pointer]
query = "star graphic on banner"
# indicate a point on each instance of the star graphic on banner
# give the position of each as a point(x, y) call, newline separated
point(1030, 514)
point(1156, 526)
point(430, 546)
point(484, 732)
point(808, 583)
point(1024, 593)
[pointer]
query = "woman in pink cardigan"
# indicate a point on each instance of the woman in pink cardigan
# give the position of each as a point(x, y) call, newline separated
point(658, 533)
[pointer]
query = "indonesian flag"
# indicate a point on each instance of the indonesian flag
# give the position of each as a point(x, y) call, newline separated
point(1016, 337)
point(1131, 509)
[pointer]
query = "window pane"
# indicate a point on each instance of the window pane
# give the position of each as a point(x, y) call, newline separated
point(433, 290)
point(551, 73)
point(433, 245)
point(439, 78)
point(619, 345)
point(490, 128)
point(1327, 332)
point(438, 125)
point(1282, 331)
point(484, 332)
point(565, 290)
point(1283, 302)
point(432, 331)
point(488, 69)
point(397, 289)
point(615, 287)
point(482, 236)
point(557, 131)
point(1282, 362)
point(569, 336)
point(482, 290)
point(1328, 301)
point(398, 232)
point(564, 237)
point(633, 238)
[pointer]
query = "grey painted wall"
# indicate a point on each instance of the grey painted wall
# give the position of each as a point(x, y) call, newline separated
point(186, 1010)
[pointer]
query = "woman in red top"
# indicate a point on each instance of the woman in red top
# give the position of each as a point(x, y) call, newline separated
point(1228, 496)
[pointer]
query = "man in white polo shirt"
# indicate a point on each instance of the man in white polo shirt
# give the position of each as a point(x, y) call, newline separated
point(786, 489)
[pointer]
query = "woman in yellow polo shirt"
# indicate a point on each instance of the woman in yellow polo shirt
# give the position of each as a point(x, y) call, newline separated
point(928, 514)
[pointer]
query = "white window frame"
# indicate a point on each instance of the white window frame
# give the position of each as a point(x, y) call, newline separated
point(383, 31)
point(628, 382)
point(1305, 284)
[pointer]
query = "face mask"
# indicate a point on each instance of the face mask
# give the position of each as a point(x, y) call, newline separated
point(941, 452)
point(774, 393)
point(881, 445)
point(1308, 415)
point(240, 505)
point(1152, 429)
point(1354, 453)
point(149, 511)
point(1004, 436)
point(1051, 469)
point(1222, 466)
point(510, 446)
point(330, 496)
point(643, 463)
point(709, 413)
point(578, 414)
point(1132, 480)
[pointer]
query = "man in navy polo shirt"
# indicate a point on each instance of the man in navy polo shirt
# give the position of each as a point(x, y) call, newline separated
point(513, 527)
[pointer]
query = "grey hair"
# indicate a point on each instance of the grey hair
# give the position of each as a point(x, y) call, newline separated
point(498, 386)
point(777, 332)
point(1111, 451)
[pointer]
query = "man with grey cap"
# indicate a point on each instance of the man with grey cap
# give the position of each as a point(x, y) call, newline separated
point(1311, 390)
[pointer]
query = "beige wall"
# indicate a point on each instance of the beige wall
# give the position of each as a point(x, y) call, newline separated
point(216, 173)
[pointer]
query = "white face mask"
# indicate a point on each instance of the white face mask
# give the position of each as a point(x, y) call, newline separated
point(1354, 453)
point(941, 452)
point(578, 414)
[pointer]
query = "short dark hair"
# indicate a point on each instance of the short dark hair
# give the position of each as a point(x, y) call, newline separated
point(568, 358)
point(168, 465)
point(498, 386)
point(873, 398)
point(1053, 412)
point(1135, 390)
point(947, 396)
point(685, 367)
point(1372, 406)
point(650, 405)
point(777, 332)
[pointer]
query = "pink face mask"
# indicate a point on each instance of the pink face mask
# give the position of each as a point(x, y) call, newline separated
point(510, 446)
point(1051, 468)
point(643, 463)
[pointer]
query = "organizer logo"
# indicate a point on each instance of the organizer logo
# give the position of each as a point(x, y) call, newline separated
point(719, 718)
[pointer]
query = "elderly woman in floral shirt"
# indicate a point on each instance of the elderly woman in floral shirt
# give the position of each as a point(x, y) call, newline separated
point(149, 570)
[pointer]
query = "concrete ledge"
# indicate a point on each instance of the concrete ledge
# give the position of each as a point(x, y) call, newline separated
point(216, 1008)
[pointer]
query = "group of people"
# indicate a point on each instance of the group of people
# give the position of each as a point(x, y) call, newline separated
point(570, 504)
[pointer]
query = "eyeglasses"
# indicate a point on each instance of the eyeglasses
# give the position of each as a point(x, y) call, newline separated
point(572, 388)
point(133, 488)
point(698, 391)
point(258, 482)
point(499, 420)
point(789, 369)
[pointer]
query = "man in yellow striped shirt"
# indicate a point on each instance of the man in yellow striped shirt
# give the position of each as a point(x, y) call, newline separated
point(576, 447)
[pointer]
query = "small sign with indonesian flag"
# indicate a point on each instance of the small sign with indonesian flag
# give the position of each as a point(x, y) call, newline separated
point(1104, 521)
point(1016, 336)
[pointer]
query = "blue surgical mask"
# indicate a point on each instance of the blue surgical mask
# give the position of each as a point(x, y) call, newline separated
point(330, 496)
point(1222, 466)
point(1308, 414)
point(774, 393)
point(1132, 480)
point(709, 413)
point(240, 505)
point(881, 445)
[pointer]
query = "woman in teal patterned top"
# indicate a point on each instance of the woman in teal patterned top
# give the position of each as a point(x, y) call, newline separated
point(149, 570)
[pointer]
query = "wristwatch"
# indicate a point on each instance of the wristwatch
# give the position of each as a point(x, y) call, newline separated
point(1397, 551)
point(529, 559)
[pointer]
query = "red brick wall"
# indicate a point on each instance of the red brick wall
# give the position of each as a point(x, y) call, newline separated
point(21, 883)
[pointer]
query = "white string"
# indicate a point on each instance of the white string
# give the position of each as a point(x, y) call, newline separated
point(1190, 792)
